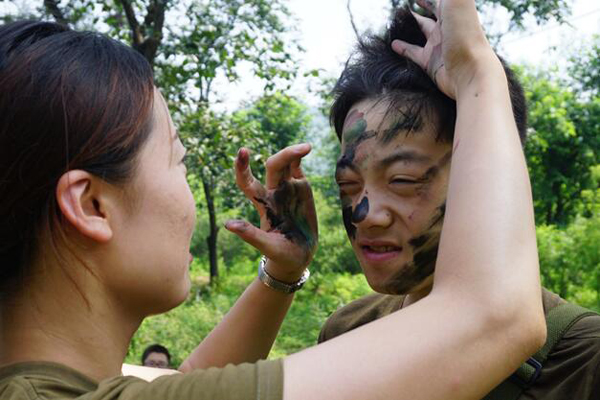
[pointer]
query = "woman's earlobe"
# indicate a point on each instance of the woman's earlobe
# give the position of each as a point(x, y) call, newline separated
point(80, 199)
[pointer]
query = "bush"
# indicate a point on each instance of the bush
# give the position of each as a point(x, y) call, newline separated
point(570, 260)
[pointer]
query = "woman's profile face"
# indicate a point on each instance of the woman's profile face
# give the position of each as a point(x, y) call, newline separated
point(152, 238)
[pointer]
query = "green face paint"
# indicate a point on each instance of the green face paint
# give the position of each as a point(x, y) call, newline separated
point(354, 127)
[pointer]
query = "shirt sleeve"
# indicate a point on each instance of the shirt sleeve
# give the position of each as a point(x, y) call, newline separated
point(260, 381)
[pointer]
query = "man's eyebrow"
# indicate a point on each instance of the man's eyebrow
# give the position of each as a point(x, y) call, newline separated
point(404, 156)
point(344, 163)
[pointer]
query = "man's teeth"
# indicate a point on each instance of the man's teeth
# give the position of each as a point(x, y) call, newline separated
point(382, 249)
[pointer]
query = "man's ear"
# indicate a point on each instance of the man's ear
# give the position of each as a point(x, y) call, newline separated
point(82, 200)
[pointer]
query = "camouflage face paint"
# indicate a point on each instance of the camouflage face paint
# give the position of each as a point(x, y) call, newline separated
point(361, 211)
point(286, 213)
point(432, 173)
point(425, 250)
point(354, 126)
point(347, 216)
point(425, 246)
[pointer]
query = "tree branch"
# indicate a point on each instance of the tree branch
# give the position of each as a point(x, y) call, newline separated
point(52, 8)
point(354, 28)
point(137, 37)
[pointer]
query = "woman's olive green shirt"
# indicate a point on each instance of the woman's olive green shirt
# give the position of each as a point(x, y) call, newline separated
point(49, 381)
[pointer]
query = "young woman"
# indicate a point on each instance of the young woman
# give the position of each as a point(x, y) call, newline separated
point(96, 214)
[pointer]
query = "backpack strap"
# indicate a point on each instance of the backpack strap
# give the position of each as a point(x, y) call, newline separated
point(558, 321)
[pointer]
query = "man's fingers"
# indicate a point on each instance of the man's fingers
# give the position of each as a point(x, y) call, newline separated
point(279, 166)
point(411, 51)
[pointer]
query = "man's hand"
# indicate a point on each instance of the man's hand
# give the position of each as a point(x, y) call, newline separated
point(288, 231)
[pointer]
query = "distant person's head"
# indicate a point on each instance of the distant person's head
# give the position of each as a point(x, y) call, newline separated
point(396, 131)
point(156, 356)
point(93, 190)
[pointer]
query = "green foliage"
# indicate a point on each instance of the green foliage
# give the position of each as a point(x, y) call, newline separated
point(570, 260)
point(584, 68)
point(281, 118)
point(214, 37)
point(542, 11)
point(561, 146)
point(334, 253)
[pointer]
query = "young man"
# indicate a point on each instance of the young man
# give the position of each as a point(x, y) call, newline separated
point(156, 356)
point(396, 128)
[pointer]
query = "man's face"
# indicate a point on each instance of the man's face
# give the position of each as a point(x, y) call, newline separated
point(393, 186)
point(156, 360)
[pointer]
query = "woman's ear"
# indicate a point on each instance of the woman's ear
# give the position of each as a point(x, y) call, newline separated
point(82, 200)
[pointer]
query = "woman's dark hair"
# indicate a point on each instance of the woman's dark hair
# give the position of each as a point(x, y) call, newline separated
point(375, 71)
point(68, 100)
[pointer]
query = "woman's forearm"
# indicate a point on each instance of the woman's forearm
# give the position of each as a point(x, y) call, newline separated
point(246, 333)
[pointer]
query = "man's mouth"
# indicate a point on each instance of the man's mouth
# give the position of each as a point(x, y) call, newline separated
point(381, 249)
point(377, 253)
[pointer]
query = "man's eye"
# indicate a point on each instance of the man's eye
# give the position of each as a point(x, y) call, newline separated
point(348, 186)
point(403, 181)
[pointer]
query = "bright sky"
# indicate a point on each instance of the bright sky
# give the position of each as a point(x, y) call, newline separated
point(327, 36)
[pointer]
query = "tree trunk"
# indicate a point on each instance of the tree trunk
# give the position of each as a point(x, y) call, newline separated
point(211, 239)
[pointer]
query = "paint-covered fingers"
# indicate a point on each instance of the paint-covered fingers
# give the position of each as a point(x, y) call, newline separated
point(256, 237)
point(251, 186)
point(286, 261)
point(279, 166)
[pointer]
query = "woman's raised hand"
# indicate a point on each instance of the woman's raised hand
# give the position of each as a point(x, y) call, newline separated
point(456, 48)
point(288, 231)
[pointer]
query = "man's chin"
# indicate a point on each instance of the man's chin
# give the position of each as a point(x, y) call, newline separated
point(401, 286)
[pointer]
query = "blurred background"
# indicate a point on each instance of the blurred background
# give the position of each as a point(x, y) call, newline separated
point(258, 73)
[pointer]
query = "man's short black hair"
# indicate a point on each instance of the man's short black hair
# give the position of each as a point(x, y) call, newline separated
point(156, 348)
point(375, 71)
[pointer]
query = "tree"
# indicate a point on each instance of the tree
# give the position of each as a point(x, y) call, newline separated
point(563, 140)
point(214, 38)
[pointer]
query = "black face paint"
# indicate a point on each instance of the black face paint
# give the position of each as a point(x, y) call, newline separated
point(361, 211)
point(347, 217)
point(439, 216)
point(418, 241)
point(425, 251)
point(286, 214)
